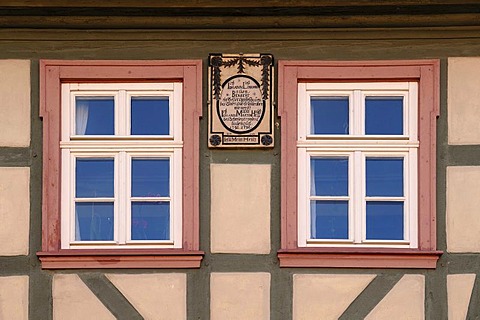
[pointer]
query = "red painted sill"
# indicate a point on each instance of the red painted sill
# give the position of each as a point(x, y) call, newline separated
point(137, 259)
point(358, 258)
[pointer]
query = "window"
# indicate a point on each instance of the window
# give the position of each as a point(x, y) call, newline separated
point(357, 153)
point(121, 164)
point(358, 163)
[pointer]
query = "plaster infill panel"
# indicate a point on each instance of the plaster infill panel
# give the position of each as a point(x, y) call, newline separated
point(14, 297)
point(15, 104)
point(240, 208)
point(459, 290)
point(73, 300)
point(328, 295)
point(463, 203)
point(239, 296)
point(14, 211)
point(406, 301)
point(463, 101)
point(155, 296)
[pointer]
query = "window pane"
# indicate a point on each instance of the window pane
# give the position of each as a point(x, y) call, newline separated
point(93, 221)
point(384, 220)
point(329, 115)
point(94, 116)
point(384, 177)
point(384, 115)
point(150, 220)
point(329, 176)
point(150, 116)
point(150, 177)
point(329, 219)
point(94, 178)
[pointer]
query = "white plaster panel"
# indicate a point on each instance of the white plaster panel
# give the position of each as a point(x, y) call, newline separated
point(463, 209)
point(459, 290)
point(325, 295)
point(240, 296)
point(73, 300)
point(240, 208)
point(14, 298)
point(406, 301)
point(155, 296)
point(15, 103)
point(14, 211)
point(463, 100)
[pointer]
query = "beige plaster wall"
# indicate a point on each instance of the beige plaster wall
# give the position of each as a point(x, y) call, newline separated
point(155, 296)
point(406, 301)
point(459, 290)
point(240, 208)
point(14, 210)
point(463, 100)
point(14, 298)
point(15, 103)
point(328, 295)
point(240, 296)
point(73, 300)
point(463, 203)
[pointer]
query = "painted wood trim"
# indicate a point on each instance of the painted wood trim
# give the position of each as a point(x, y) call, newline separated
point(287, 111)
point(103, 259)
point(192, 112)
point(426, 72)
point(360, 259)
point(50, 111)
point(54, 72)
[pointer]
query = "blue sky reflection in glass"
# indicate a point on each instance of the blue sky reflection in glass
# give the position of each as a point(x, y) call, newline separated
point(384, 177)
point(94, 220)
point(384, 218)
point(151, 177)
point(94, 178)
point(150, 221)
point(329, 115)
point(384, 115)
point(329, 217)
point(150, 116)
point(94, 116)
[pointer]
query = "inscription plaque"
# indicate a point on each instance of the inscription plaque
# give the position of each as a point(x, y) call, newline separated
point(240, 109)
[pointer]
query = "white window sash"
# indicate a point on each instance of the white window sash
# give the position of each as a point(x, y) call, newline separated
point(358, 146)
point(122, 147)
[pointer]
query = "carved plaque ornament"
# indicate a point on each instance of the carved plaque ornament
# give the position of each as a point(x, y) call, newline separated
point(240, 109)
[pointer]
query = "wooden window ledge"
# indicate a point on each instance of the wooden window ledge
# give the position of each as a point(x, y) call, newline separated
point(358, 258)
point(120, 259)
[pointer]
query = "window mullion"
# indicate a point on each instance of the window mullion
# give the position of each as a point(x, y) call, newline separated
point(122, 113)
point(358, 206)
point(121, 197)
point(358, 113)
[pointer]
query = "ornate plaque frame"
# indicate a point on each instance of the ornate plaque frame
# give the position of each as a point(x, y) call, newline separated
point(240, 111)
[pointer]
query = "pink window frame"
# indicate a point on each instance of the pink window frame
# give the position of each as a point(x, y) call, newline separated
point(55, 72)
point(426, 73)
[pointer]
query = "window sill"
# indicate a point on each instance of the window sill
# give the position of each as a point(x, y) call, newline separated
point(358, 258)
point(120, 259)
